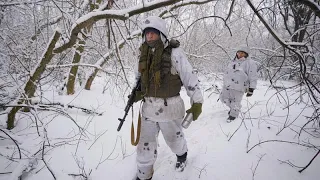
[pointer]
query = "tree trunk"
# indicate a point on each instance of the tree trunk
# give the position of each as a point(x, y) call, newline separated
point(95, 72)
point(30, 87)
point(74, 69)
point(90, 79)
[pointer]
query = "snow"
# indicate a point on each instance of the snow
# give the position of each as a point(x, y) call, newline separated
point(217, 150)
point(58, 29)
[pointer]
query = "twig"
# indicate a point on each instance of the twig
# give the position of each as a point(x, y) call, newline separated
point(78, 175)
point(300, 171)
point(255, 169)
point(88, 111)
point(227, 135)
point(114, 147)
point(82, 168)
point(97, 139)
point(202, 170)
point(36, 118)
point(289, 163)
point(225, 23)
point(43, 147)
point(44, 106)
point(123, 149)
point(236, 130)
point(14, 142)
point(248, 139)
point(262, 142)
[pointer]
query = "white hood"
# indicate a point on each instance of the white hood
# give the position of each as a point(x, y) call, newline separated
point(157, 23)
point(244, 49)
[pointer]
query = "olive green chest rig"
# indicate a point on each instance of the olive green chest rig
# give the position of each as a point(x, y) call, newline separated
point(155, 68)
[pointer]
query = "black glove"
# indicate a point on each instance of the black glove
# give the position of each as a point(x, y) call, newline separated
point(250, 92)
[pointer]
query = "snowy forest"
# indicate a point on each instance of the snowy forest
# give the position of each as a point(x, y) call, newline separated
point(67, 68)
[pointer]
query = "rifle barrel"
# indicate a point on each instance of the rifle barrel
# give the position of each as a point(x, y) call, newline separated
point(129, 104)
point(121, 123)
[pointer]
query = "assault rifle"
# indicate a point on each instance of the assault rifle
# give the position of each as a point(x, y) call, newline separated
point(129, 103)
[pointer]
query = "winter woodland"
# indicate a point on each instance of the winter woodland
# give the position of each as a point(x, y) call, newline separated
point(67, 67)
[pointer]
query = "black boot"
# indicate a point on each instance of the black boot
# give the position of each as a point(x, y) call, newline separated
point(181, 162)
point(230, 119)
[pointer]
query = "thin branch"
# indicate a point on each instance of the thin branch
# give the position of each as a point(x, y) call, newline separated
point(107, 158)
point(203, 169)
point(227, 135)
point(248, 140)
point(262, 142)
point(300, 171)
point(255, 169)
point(118, 55)
point(46, 106)
point(15, 142)
point(43, 147)
point(289, 163)
point(236, 130)
point(184, 3)
point(230, 10)
point(97, 139)
point(225, 23)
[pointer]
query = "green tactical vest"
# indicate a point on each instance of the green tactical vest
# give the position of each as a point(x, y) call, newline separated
point(170, 85)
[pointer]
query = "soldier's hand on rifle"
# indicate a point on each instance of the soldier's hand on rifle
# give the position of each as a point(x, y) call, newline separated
point(138, 97)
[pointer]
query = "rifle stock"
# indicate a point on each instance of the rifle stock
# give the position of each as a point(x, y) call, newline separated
point(129, 103)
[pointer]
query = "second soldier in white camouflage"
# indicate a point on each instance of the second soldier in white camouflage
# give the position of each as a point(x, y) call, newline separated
point(240, 77)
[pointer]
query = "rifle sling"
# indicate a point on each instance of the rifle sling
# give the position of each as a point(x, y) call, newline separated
point(134, 141)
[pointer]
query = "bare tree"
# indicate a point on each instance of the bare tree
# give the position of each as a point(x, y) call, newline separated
point(299, 59)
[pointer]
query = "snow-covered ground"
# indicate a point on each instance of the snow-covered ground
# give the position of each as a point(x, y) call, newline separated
point(217, 150)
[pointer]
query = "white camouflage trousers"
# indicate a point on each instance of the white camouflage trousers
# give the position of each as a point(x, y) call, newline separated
point(232, 98)
point(147, 146)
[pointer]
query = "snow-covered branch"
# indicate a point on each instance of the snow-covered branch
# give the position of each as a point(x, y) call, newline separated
point(20, 3)
point(312, 4)
point(184, 3)
point(78, 64)
point(122, 14)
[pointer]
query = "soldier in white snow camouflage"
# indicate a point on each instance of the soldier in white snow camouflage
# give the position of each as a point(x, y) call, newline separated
point(163, 69)
point(240, 77)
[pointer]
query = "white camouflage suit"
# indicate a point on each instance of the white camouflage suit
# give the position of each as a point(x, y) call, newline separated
point(167, 119)
point(240, 75)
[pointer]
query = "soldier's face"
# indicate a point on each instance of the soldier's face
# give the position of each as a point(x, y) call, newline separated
point(240, 54)
point(152, 36)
